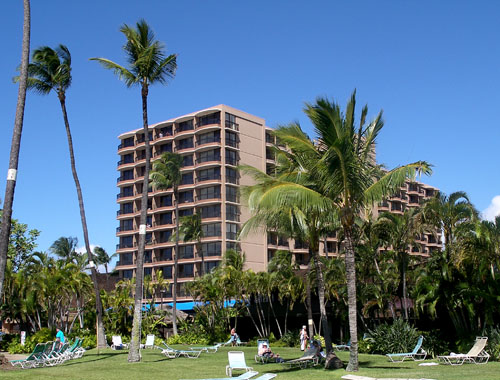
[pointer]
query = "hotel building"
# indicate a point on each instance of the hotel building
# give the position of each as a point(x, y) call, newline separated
point(212, 142)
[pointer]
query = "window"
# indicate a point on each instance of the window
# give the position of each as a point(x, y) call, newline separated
point(211, 265)
point(127, 208)
point(231, 139)
point(127, 225)
point(185, 143)
point(187, 179)
point(212, 248)
point(165, 131)
point(185, 126)
point(128, 274)
point(127, 159)
point(209, 155)
point(231, 175)
point(164, 236)
point(269, 138)
point(141, 155)
point(269, 154)
point(232, 245)
point(165, 148)
point(211, 229)
point(126, 242)
point(165, 218)
point(231, 157)
point(166, 201)
point(186, 270)
point(231, 194)
point(232, 213)
point(126, 258)
point(187, 160)
point(208, 174)
point(126, 143)
point(127, 174)
point(212, 192)
point(231, 121)
point(185, 212)
point(210, 211)
point(209, 137)
point(186, 196)
point(127, 191)
point(165, 254)
point(213, 118)
point(186, 252)
point(231, 231)
point(166, 272)
point(148, 272)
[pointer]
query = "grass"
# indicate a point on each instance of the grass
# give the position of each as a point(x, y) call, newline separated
point(109, 365)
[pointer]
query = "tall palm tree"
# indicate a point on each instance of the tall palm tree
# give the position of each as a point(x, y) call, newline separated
point(166, 174)
point(49, 71)
point(147, 65)
point(402, 232)
point(15, 145)
point(190, 230)
point(336, 172)
point(102, 257)
point(65, 248)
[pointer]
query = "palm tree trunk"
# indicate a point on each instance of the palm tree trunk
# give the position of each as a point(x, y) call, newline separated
point(174, 287)
point(15, 145)
point(350, 265)
point(403, 270)
point(321, 296)
point(135, 343)
point(309, 302)
point(101, 341)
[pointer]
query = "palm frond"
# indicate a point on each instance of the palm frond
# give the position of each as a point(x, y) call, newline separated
point(123, 74)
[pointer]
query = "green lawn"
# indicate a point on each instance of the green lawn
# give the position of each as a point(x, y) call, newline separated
point(113, 365)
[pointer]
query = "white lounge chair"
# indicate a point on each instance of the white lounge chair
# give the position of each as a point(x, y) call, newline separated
point(243, 376)
point(210, 349)
point(236, 361)
point(117, 343)
point(150, 341)
point(418, 353)
point(477, 354)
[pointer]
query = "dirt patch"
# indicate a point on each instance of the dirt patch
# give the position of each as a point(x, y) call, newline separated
point(5, 364)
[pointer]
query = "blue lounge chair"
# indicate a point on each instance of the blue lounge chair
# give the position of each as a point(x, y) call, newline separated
point(418, 354)
point(173, 353)
point(342, 347)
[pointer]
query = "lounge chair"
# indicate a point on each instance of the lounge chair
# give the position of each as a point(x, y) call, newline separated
point(236, 361)
point(117, 343)
point(418, 353)
point(261, 358)
point(243, 376)
point(477, 354)
point(343, 347)
point(33, 359)
point(173, 353)
point(150, 341)
point(239, 342)
point(210, 349)
point(311, 356)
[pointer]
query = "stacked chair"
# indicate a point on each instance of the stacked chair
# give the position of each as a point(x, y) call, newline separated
point(47, 354)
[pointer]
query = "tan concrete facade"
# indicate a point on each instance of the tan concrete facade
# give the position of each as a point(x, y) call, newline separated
point(212, 142)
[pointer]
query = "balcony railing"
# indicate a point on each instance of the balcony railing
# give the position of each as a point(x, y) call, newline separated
point(207, 121)
point(126, 145)
point(208, 141)
point(233, 144)
point(208, 178)
point(215, 158)
point(123, 178)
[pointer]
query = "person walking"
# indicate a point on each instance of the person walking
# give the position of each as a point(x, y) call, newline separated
point(59, 338)
point(303, 338)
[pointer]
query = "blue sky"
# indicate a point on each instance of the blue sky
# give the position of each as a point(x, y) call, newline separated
point(433, 67)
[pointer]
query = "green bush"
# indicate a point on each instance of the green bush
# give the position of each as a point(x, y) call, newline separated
point(41, 336)
point(398, 337)
point(493, 347)
point(435, 344)
point(290, 339)
point(6, 340)
point(187, 338)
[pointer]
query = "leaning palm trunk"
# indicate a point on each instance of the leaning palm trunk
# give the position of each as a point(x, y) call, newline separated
point(101, 337)
point(15, 146)
point(350, 266)
point(310, 322)
point(135, 343)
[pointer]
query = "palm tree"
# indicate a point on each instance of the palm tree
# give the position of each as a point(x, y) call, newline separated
point(190, 230)
point(15, 145)
point(51, 71)
point(402, 232)
point(166, 174)
point(148, 65)
point(102, 257)
point(337, 172)
point(65, 248)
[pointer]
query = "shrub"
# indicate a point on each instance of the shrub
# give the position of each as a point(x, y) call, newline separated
point(398, 337)
point(435, 344)
point(493, 347)
point(290, 339)
point(320, 339)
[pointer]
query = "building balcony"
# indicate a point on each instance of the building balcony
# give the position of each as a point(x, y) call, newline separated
point(232, 126)
point(215, 178)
